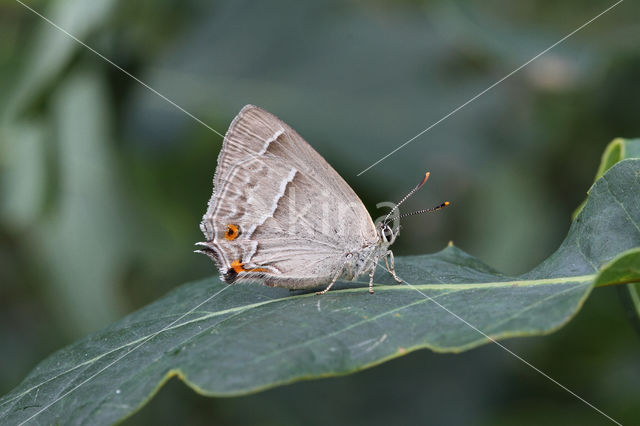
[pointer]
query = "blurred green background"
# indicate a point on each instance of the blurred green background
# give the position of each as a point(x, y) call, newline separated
point(103, 183)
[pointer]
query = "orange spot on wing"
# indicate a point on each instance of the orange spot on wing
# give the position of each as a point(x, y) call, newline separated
point(239, 267)
point(232, 232)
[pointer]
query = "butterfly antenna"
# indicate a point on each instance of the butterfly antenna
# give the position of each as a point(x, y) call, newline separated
point(432, 209)
point(424, 180)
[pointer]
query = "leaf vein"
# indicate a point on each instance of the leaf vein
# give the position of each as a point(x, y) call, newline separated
point(624, 209)
point(533, 305)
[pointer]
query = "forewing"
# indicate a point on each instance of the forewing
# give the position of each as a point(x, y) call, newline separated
point(295, 215)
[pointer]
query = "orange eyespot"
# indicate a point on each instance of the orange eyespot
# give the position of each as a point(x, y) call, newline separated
point(232, 232)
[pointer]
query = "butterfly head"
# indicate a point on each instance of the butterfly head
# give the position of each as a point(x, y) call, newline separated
point(387, 233)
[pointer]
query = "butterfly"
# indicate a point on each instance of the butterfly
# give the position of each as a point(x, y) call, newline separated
point(281, 215)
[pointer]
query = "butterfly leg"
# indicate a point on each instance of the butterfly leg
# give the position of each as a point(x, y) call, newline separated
point(392, 269)
point(373, 271)
point(333, 281)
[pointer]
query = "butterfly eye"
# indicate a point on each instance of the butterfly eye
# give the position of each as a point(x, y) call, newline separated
point(387, 233)
point(232, 232)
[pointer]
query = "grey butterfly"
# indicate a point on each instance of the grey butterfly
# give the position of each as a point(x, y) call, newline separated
point(281, 215)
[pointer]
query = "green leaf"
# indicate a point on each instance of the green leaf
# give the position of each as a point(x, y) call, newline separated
point(618, 149)
point(245, 338)
point(624, 268)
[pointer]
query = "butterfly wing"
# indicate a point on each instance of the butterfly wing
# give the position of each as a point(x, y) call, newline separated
point(279, 211)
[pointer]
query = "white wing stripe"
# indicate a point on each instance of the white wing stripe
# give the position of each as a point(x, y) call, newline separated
point(276, 199)
point(271, 139)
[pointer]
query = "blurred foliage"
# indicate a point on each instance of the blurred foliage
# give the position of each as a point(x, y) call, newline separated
point(102, 183)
